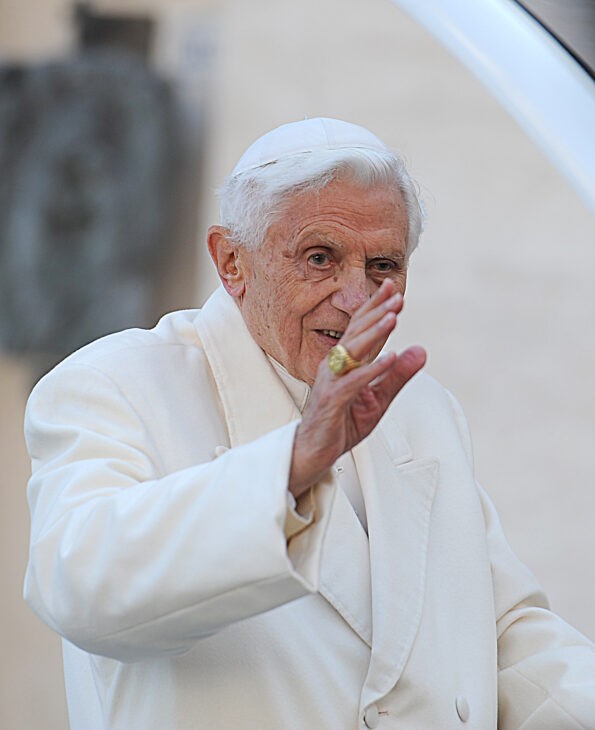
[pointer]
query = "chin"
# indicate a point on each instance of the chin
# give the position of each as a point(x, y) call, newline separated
point(308, 375)
point(302, 372)
point(307, 368)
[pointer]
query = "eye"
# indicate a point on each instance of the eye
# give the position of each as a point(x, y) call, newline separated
point(320, 259)
point(383, 266)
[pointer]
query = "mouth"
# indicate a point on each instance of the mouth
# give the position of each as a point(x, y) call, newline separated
point(329, 337)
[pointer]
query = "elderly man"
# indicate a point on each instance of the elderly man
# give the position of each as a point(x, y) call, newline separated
point(249, 518)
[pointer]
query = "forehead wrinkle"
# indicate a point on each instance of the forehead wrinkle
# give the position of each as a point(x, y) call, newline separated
point(308, 217)
point(296, 242)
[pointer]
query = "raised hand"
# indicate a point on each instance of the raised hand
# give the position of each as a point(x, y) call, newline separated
point(344, 409)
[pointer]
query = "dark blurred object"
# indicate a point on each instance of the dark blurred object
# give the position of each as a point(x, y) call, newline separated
point(571, 22)
point(86, 153)
point(126, 32)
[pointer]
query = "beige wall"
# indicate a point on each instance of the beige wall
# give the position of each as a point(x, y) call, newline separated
point(500, 291)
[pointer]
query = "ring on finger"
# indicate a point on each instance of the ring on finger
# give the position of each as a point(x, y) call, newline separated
point(340, 360)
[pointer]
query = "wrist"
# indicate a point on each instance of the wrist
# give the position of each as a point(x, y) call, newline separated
point(306, 467)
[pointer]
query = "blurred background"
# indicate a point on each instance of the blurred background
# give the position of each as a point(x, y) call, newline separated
point(118, 120)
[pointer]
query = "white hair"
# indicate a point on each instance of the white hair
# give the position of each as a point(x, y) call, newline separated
point(254, 199)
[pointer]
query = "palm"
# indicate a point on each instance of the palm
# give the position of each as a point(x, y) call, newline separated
point(343, 411)
point(363, 415)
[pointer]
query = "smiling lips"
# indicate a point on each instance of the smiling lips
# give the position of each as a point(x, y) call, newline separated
point(332, 333)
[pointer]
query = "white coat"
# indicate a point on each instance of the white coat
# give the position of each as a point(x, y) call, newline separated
point(160, 552)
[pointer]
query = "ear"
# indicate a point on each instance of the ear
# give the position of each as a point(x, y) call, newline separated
point(225, 257)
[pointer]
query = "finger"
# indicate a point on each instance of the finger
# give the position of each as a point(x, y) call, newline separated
point(362, 321)
point(367, 344)
point(387, 375)
point(384, 291)
point(402, 368)
point(351, 383)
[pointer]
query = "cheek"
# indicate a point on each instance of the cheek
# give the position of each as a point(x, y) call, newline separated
point(270, 308)
point(277, 306)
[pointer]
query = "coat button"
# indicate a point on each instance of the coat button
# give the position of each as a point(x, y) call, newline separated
point(371, 717)
point(462, 708)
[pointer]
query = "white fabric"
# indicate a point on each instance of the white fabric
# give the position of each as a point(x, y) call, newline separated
point(305, 136)
point(297, 389)
point(159, 552)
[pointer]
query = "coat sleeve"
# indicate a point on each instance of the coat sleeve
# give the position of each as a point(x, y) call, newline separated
point(546, 669)
point(131, 563)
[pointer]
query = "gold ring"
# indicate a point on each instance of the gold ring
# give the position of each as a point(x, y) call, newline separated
point(340, 361)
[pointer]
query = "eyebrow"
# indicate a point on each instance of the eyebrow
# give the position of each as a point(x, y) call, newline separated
point(397, 257)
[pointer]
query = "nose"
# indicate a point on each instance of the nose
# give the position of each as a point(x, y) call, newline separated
point(353, 289)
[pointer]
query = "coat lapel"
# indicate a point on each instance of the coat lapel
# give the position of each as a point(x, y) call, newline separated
point(345, 571)
point(399, 494)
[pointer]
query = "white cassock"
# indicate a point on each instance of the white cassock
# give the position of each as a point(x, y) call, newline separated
point(190, 594)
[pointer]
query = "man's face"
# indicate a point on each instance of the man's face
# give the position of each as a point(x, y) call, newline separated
point(326, 255)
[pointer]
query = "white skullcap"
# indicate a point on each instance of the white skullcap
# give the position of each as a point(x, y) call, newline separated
point(305, 136)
